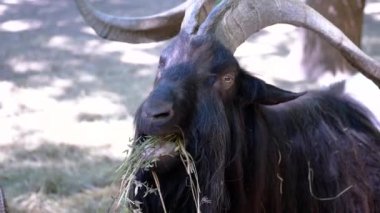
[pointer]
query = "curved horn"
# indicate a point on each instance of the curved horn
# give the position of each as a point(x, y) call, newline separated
point(233, 21)
point(133, 29)
point(196, 14)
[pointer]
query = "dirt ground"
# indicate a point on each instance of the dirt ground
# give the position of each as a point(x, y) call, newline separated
point(67, 97)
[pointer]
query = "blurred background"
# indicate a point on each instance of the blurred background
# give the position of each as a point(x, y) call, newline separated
point(68, 97)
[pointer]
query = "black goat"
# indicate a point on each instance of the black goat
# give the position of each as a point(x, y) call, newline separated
point(257, 148)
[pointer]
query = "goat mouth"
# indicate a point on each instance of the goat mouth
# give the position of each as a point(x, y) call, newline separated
point(161, 151)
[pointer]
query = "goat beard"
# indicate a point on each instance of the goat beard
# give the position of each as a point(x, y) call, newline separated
point(209, 141)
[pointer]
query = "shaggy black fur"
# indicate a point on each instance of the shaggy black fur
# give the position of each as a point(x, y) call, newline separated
point(257, 148)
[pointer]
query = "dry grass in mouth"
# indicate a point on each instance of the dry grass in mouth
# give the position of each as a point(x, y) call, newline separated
point(138, 159)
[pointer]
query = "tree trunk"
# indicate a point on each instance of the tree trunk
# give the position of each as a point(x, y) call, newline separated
point(318, 56)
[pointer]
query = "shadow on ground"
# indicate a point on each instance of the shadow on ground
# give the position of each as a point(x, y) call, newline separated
point(51, 177)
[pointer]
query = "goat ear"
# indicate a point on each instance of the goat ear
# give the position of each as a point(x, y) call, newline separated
point(254, 90)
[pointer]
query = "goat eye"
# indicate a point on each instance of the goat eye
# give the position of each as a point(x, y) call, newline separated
point(227, 81)
point(227, 78)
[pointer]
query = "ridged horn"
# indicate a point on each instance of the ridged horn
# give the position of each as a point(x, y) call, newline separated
point(145, 29)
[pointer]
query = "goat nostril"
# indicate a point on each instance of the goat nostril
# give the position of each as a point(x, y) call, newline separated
point(162, 115)
point(158, 111)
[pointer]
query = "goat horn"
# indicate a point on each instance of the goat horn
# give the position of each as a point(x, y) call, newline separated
point(196, 14)
point(234, 21)
point(157, 27)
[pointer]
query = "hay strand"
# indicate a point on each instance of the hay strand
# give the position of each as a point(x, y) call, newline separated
point(155, 177)
point(278, 174)
point(143, 156)
point(191, 170)
point(310, 178)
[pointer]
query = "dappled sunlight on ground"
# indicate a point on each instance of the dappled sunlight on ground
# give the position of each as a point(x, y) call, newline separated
point(34, 114)
point(3, 9)
point(16, 2)
point(20, 25)
point(22, 66)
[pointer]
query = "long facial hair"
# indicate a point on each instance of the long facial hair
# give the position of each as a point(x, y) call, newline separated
point(209, 140)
